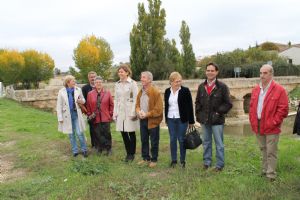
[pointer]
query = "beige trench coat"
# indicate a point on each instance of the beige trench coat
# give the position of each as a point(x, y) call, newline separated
point(63, 111)
point(124, 106)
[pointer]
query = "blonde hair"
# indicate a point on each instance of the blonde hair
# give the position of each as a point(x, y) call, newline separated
point(67, 80)
point(174, 75)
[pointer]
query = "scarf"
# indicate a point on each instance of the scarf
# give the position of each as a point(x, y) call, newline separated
point(70, 92)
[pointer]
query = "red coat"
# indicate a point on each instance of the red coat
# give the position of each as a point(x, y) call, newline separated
point(275, 109)
point(107, 105)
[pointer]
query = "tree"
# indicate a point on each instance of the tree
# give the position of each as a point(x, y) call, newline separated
point(269, 46)
point(38, 67)
point(57, 71)
point(147, 38)
point(172, 55)
point(187, 53)
point(47, 67)
point(11, 66)
point(250, 61)
point(93, 54)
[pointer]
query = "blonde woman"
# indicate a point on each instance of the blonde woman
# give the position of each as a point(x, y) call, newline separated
point(69, 115)
point(179, 115)
point(124, 111)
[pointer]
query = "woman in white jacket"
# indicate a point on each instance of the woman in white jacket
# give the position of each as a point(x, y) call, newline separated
point(69, 115)
point(124, 110)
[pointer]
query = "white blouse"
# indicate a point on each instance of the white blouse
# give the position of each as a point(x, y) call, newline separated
point(173, 105)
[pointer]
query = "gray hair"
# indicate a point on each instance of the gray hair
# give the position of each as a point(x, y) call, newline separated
point(98, 78)
point(92, 72)
point(148, 74)
point(270, 67)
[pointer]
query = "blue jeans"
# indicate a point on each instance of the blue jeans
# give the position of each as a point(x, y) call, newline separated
point(153, 133)
point(217, 132)
point(177, 131)
point(76, 131)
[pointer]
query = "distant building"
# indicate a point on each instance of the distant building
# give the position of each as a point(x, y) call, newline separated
point(292, 54)
point(1, 89)
point(290, 51)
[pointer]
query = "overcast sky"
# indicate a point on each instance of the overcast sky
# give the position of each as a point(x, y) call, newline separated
point(56, 26)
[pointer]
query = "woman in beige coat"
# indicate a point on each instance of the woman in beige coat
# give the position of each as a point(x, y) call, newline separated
point(69, 115)
point(124, 110)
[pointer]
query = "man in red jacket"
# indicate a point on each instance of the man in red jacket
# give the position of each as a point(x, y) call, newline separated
point(268, 108)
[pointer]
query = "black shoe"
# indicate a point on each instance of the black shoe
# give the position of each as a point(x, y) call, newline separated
point(75, 154)
point(263, 174)
point(127, 158)
point(131, 157)
point(182, 163)
point(85, 154)
point(108, 152)
point(99, 152)
point(205, 167)
point(218, 169)
point(173, 163)
point(271, 179)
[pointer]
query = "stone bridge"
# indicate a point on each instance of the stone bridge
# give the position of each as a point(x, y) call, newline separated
point(240, 91)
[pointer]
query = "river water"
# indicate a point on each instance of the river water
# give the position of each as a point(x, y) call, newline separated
point(245, 129)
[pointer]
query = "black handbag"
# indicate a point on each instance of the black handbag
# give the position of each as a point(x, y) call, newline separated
point(192, 138)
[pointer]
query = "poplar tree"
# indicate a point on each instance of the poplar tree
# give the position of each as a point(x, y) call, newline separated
point(187, 53)
point(147, 38)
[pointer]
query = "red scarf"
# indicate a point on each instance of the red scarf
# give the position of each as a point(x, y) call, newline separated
point(209, 88)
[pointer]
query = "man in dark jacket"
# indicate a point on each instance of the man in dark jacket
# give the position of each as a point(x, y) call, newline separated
point(85, 90)
point(212, 103)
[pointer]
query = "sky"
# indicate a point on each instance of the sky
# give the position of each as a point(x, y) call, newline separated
point(56, 26)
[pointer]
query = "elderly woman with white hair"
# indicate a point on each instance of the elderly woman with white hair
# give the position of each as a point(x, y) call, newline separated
point(69, 114)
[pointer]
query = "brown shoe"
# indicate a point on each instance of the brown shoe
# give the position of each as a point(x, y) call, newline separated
point(143, 162)
point(152, 164)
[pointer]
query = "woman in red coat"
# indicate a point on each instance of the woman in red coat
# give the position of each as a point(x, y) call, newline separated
point(100, 108)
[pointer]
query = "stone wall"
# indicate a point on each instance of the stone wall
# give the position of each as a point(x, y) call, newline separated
point(240, 88)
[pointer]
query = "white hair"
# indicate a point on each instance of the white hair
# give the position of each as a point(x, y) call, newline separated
point(270, 67)
point(148, 74)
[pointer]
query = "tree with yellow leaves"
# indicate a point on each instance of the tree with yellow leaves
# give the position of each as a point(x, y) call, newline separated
point(38, 67)
point(93, 54)
point(11, 65)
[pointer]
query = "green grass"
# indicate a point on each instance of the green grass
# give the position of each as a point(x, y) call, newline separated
point(48, 171)
point(295, 93)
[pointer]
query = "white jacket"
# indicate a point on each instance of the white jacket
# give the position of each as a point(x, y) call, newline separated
point(124, 106)
point(63, 111)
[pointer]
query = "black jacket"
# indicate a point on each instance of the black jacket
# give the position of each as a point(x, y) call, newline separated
point(211, 109)
point(185, 104)
point(85, 90)
point(297, 122)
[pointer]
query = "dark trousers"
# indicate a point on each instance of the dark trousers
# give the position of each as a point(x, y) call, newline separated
point(153, 133)
point(102, 136)
point(129, 140)
point(92, 134)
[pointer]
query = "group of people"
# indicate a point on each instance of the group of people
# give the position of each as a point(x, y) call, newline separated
point(134, 109)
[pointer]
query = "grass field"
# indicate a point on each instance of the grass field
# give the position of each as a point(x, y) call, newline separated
point(36, 163)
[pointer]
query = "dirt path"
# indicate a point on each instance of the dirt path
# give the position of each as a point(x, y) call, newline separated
point(7, 171)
